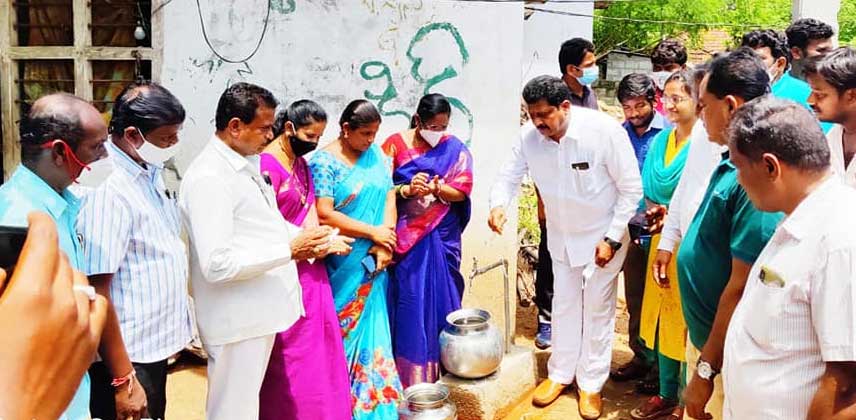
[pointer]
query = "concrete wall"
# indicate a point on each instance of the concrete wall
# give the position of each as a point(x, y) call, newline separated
point(545, 32)
point(619, 65)
point(390, 52)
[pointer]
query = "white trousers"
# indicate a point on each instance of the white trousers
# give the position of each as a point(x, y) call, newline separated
point(584, 323)
point(235, 375)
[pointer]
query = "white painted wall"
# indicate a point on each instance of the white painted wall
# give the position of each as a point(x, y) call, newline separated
point(544, 33)
point(316, 49)
point(823, 10)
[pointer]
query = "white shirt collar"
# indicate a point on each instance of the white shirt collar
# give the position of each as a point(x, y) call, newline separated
point(235, 159)
point(804, 218)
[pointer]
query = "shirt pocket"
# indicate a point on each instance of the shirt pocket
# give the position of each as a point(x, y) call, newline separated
point(585, 174)
point(765, 319)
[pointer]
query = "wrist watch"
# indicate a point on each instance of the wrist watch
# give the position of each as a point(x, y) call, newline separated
point(705, 371)
point(615, 245)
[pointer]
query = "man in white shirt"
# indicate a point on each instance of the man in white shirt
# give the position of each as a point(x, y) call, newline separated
point(833, 98)
point(134, 256)
point(243, 274)
point(584, 167)
point(790, 349)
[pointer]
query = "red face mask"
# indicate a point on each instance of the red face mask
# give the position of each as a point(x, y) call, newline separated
point(73, 172)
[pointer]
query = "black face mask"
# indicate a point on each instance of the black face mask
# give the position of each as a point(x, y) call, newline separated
point(301, 147)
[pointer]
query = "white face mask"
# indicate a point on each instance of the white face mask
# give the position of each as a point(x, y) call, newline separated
point(660, 78)
point(432, 137)
point(156, 155)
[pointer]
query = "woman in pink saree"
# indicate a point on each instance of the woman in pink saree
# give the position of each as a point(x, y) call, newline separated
point(307, 377)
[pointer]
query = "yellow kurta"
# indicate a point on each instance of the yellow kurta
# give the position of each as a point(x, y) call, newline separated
point(664, 304)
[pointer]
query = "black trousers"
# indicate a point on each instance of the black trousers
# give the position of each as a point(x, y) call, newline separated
point(544, 279)
point(152, 377)
point(634, 289)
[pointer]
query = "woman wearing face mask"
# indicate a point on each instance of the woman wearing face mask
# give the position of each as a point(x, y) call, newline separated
point(356, 195)
point(662, 326)
point(433, 177)
point(307, 376)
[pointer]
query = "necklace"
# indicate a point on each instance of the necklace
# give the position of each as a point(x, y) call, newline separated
point(301, 188)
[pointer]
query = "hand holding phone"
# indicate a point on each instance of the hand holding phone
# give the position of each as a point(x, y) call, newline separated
point(11, 242)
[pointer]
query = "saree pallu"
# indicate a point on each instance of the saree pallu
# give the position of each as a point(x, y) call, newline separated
point(360, 298)
point(426, 281)
point(307, 377)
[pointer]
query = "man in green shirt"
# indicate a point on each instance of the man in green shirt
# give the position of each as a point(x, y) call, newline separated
point(725, 237)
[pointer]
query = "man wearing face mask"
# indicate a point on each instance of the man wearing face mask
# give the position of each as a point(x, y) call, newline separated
point(135, 257)
point(669, 56)
point(579, 71)
point(772, 47)
point(60, 136)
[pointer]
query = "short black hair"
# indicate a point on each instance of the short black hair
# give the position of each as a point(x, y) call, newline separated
point(572, 53)
point(776, 41)
point(431, 105)
point(636, 85)
point(242, 100)
point(301, 114)
point(669, 51)
point(549, 88)
point(359, 113)
point(838, 68)
point(739, 73)
point(805, 30)
point(58, 119)
point(782, 128)
point(146, 106)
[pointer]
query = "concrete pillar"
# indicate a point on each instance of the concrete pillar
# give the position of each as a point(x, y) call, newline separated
point(824, 10)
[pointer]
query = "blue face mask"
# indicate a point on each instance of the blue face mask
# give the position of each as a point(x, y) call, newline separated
point(590, 75)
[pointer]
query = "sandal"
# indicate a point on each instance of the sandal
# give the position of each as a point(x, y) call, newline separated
point(654, 408)
point(677, 413)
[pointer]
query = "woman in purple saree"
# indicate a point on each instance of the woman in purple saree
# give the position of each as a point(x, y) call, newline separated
point(433, 178)
point(307, 377)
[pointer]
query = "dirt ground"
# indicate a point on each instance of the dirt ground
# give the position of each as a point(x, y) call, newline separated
point(187, 381)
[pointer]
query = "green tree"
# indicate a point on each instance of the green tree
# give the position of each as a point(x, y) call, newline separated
point(847, 23)
point(735, 16)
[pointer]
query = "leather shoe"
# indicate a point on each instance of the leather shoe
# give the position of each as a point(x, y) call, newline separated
point(547, 392)
point(590, 404)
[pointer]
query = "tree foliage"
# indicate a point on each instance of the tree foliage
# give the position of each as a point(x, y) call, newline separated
point(735, 16)
point(847, 23)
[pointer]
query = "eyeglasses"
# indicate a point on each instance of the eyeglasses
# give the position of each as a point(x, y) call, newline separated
point(675, 100)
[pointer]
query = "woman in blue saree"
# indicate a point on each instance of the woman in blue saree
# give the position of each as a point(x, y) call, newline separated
point(433, 175)
point(355, 194)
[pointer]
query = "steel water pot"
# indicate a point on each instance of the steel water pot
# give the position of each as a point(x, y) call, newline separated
point(470, 346)
point(427, 401)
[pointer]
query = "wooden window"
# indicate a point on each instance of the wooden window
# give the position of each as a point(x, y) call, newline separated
point(84, 47)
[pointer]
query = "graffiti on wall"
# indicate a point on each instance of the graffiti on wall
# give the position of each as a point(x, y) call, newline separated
point(426, 77)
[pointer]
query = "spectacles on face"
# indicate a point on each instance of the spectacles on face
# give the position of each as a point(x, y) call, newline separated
point(675, 100)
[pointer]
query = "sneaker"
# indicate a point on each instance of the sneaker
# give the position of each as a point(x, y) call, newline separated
point(544, 337)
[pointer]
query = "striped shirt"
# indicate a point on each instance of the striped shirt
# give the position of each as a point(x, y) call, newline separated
point(131, 229)
point(797, 313)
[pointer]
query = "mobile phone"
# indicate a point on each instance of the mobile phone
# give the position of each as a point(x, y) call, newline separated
point(11, 242)
point(369, 264)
